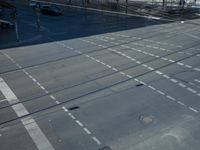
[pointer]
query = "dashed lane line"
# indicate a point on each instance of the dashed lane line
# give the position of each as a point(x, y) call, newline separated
point(129, 76)
point(72, 116)
point(81, 125)
point(137, 80)
point(158, 42)
point(57, 102)
point(87, 131)
point(157, 56)
point(159, 73)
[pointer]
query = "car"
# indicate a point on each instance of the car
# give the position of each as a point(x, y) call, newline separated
point(32, 3)
point(50, 10)
point(6, 24)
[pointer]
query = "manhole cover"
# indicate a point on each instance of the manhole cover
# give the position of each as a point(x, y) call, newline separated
point(147, 119)
point(105, 148)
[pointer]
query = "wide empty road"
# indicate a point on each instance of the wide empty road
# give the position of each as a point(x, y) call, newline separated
point(136, 89)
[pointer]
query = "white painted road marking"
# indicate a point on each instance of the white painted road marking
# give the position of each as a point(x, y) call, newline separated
point(197, 80)
point(196, 111)
point(3, 100)
point(86, 130)
point(96, 140)
point(29, 123)
point(79, 123)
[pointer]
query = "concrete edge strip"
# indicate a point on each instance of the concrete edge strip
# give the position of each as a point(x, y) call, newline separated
point(29, 123)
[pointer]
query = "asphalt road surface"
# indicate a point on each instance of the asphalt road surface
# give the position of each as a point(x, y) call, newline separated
point(128, 89)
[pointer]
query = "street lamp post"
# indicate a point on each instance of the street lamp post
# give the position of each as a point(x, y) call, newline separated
point(37, 9)
point(16, 30)
point(13, 16)
point(126, 6)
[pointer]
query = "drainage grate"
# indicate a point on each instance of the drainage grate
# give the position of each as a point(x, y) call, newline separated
point(105, 148)
point(74, 107)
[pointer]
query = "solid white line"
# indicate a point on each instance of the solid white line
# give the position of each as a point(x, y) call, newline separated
point(29, 123)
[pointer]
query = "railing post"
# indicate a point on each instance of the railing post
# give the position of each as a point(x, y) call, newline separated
point(126, 6)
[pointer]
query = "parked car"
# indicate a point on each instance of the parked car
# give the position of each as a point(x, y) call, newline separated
point(6, 24)
point(50, 10)
point(32, 3)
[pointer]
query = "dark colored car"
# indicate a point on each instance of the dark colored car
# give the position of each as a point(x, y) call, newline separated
point(50, 10)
